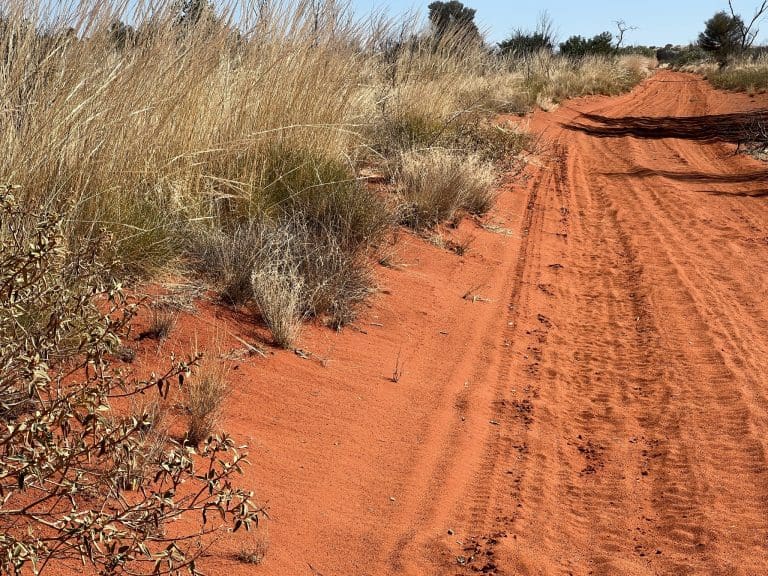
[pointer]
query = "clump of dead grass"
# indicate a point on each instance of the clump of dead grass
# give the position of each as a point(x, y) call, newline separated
point(744, 75)
point(435, 184)
point(277, 291)
point(205, 392)
point(254, 547)
point(162, 323)
point(225, 254)
point(303, 269)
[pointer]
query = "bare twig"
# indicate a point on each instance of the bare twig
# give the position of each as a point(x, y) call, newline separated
point(397, 373)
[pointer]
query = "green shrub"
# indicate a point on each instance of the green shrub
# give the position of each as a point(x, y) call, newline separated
point(67, 456)
point(325, 194)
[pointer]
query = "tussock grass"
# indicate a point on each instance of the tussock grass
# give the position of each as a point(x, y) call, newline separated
point(302, 271)
point(436, 183)
point(225, 254)
point(277, 290)
point(142, 140)
point(205, 393)
point(253, 550)
point(747, 75)
point(162, 323)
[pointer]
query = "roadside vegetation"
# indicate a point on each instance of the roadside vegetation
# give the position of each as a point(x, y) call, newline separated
point(725, 52)
point(236, 152)
point(747, 74)
point(89, 471)
point(267, 151)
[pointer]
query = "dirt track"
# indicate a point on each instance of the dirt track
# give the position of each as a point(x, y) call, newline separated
point(596, 404)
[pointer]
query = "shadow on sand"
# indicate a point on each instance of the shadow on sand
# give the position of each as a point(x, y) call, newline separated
point(713, 178)
point(705, 178)
point(751, 194)
point(711, 128)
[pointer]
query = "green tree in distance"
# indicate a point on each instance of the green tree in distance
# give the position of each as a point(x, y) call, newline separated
point(726, 34)
point(578, 46)
point(453, 19)
point(722, 35)
point(523, 42)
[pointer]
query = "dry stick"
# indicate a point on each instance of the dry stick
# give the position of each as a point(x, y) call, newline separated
point(398, 371)
point(252, 349)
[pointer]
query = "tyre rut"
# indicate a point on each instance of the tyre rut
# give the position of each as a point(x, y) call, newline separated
point(634, 402)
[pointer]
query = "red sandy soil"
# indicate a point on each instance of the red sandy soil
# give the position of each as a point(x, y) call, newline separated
point(584, 392)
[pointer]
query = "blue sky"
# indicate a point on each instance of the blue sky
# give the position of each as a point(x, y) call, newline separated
point(659, 21)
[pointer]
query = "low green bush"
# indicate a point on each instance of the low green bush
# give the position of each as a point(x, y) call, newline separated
point(81, 480)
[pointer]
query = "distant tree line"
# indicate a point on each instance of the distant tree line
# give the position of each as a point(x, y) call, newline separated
point(543, 38)
point(725, 36)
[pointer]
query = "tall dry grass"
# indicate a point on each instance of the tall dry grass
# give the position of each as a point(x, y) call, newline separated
point(185, 139)
point(549, 78)
point(144, 140)
point(743, 75)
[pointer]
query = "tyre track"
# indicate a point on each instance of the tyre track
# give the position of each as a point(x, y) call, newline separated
point(643, 368)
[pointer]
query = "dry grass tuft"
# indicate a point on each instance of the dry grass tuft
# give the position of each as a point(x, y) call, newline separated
point(436, 183)
point(226, 254)
point(255, 547)
point(277, 290)
point(162, 323)
point(302, 270)
point(205, 393)
point(747, 75)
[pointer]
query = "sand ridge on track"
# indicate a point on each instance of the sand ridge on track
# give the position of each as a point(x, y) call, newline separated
point(585, 392)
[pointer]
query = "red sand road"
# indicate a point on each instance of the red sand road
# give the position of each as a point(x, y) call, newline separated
point(585, 392)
